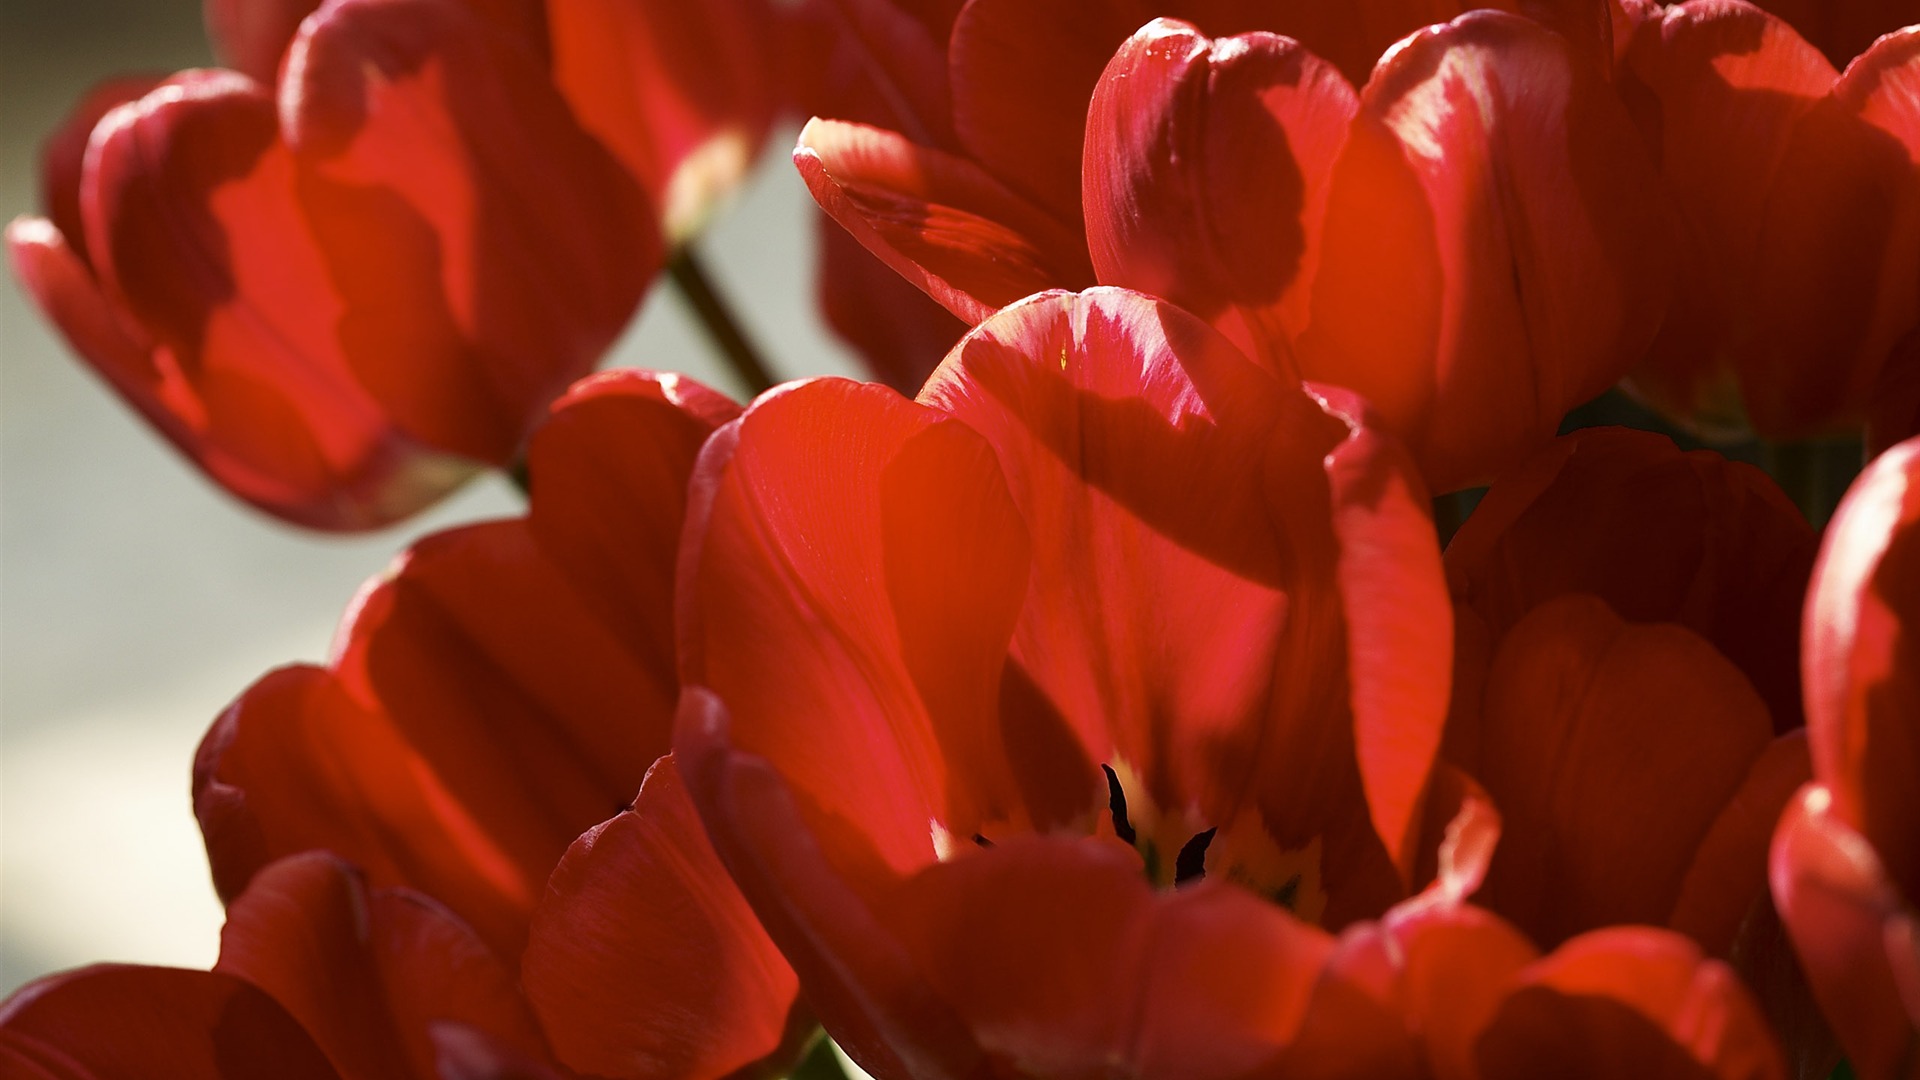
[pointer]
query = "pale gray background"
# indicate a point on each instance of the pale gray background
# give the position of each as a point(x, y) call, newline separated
point(136, 601)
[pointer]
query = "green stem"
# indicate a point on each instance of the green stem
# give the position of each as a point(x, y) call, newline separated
point(718, 320)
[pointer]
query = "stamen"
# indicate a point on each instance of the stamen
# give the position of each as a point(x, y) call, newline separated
point(1117, 803)
point(981, 840)
point(1191, 864)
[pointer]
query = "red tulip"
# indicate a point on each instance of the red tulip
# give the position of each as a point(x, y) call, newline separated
point(376, 296)
point(1624, 1002)
point(1635, 772)
point(1107, 578)
point(1843, 29)
point(375, 976)
point(1618, 603)
point(317, 973)
point(492, 706)
point(1802, 205)
point(1661, 536)
point(1246, 180)
point(1846, 859)
point(686, 130)
point(113, 1020)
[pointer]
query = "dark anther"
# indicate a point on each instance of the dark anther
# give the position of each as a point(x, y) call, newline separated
point(981, 840)
point(1191, 865)
point(1288, 894)
point(1117, 802)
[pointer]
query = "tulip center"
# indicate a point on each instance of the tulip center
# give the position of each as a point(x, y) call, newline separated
point(1179, 848)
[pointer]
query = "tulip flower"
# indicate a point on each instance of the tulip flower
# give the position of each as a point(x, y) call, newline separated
point(167, 1023)
point(1659, 535)
point(1480, 1003)
point(493, 703)
point(1624, 614)
point(1107, 577)
point(1843, 29)
point(687, 132)
point(318, 975)
point(342, 300)
point(1846, 858)
point(1801, 200)
point(1485, 179)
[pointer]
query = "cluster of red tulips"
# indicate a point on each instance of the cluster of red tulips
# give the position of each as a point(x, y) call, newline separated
point(1111, 707)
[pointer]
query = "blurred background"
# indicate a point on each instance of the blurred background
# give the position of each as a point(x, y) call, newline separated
point(136, 601)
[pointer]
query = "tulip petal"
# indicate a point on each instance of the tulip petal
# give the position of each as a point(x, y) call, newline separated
point(1168, 632)
point(367, 972)
point(192, 223)
point(1855, 937)
point(1843, 29)
point(63, 155)
point(1830, 308)
point(250, 36)
point(1064, 961)
point(500, 691)
point(473, 288)
point(1661, 536)
point(1400, 654)
point(681, 93)
point(1550, 228)
point(1022, 74)
point(611, 466)
point(1610, 749)
point(853, 560)
point(644, 960)
point(808, 895)
point(902, 45)
point(1444, 967)
point(1860, 665)
point(1023, 71)
point(1629, 1001)
point(899, 331)
point(112, 1021)
point(939, 220)
point(1206, 170)
point(1734, 103)
point(1728, 877)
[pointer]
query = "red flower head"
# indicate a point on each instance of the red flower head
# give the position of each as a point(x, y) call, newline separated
point(493, 704)
point(1843, 29)
point(1801, 200)
point(1475, 241)
point(1846, 860)
point(317, 973)
point(685, 130)
point(1106, 579)
point(341, 296)
point(1618, 604)
point(1478, 1002)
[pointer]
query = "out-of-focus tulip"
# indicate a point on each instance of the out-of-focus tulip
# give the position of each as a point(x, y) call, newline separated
point(317, 973)
point(1107, 577)
point(341, 300)
point(1636, 775)
point(1846, 859)
point(1801, 199)
point(493, 704)
point(1482, 1004)
point(1843, 29)
point(114, 1020)
point(1618, 604)
point(683, 94)
point(1660, 535)
point(1479, 221)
